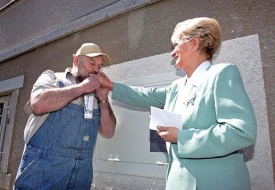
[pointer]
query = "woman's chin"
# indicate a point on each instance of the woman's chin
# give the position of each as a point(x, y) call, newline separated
point(177, 65)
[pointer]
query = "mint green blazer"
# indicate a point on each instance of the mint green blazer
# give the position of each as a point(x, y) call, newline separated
point(218, 121)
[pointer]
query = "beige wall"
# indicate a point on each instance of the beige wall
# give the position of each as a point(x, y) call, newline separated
point(140, 33)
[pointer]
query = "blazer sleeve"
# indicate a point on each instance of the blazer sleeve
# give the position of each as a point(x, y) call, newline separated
point(139, 96)
point(235, 127)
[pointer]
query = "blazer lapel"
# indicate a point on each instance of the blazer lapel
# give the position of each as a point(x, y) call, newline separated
point(173, 96)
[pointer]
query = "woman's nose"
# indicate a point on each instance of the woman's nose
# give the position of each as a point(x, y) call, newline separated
point(173, 53)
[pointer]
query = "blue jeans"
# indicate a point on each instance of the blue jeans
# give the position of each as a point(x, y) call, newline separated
point(59, 155)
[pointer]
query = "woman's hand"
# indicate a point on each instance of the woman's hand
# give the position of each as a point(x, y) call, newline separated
point(104, 81)
point(168, 134)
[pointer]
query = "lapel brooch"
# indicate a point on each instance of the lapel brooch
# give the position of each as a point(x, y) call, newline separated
point(190, 100)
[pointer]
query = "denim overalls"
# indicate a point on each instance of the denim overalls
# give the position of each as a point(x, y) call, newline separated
point(59, 155)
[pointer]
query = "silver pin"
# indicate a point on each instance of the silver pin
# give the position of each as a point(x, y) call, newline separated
point(190, 101)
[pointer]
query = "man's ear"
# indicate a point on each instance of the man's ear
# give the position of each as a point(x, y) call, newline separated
point(75, 61)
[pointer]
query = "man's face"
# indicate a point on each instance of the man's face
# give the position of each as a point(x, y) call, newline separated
point(88, 66)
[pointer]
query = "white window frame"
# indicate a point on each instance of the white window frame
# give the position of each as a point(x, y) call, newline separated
point(3, 122)
point(9, 88)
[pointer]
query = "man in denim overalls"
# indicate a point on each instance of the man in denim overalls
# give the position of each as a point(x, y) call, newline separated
point(67, 111)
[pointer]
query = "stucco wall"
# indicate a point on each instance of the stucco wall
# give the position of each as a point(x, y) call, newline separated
point(44, 16)
point(141, 33)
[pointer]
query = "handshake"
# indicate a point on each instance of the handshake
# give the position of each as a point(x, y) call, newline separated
point(95, 83)
point(104, 81)
point(99, 84)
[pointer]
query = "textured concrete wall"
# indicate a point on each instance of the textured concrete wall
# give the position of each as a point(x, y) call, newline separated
point(141, 33)
point(51, 20)
point(45, 16)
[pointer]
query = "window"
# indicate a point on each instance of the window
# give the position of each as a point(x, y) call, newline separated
point(9, 93)
point(3, 122)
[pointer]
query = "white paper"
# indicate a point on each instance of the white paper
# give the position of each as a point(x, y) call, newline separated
point(164, 118)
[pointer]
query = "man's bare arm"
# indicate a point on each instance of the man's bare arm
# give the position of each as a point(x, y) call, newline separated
point(56, 98)
point(107, 120)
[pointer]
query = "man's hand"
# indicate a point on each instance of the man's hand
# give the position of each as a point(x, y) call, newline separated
point(102, 94)
point(168, 134)
point(90, 84)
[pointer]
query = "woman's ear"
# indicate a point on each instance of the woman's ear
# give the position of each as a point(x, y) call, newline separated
point(195, 44)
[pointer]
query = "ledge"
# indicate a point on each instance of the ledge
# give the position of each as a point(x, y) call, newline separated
point(89, 20)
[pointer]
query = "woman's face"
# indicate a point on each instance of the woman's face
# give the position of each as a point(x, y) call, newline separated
point(182, 51)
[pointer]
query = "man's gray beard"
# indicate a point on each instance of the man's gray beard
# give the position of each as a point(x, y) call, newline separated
point(80, 78)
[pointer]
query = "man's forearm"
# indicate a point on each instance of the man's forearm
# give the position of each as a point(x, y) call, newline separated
point(54, 99)
point(107, 120)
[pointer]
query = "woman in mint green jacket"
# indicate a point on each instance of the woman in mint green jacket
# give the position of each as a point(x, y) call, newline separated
point(218, 117)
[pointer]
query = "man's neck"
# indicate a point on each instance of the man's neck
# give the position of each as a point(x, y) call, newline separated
point(78, 79)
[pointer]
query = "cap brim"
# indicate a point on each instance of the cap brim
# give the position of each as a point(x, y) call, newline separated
point(105, 57)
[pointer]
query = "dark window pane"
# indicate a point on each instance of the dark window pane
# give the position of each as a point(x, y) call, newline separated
point(1, 108)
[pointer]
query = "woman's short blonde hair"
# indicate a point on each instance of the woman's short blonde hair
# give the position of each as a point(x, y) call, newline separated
point(207, 30)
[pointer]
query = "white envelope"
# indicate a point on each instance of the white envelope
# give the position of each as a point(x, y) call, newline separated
point(164, 118)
